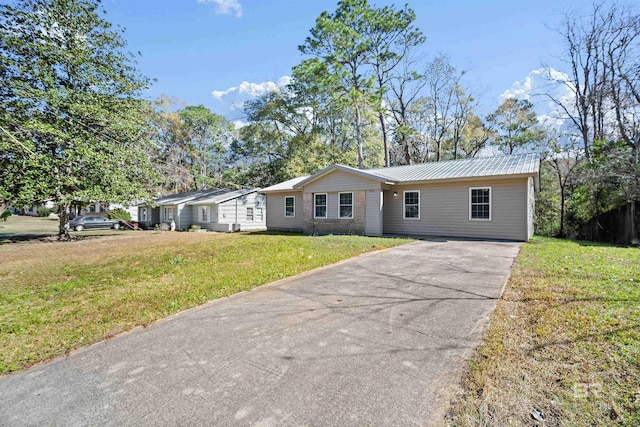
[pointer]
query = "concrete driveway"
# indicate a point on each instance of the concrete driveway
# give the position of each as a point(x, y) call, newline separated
point(380, 339)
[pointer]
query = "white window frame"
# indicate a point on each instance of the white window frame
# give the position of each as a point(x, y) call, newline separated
point(258, 214)
point(165, 212)
point(253, 214)
point(294, 206)
point(201, 211)
point(144, 217)
point(404, 204)
point(340, 205)
point(490, 203)
point(326, 205)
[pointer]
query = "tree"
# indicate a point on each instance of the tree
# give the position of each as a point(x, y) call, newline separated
point(71, 111)
point(340, 52)
point(516, 125)
point(392, 39)
point(562, 156)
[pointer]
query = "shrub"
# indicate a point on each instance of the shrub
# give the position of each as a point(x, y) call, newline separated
point(120, 214)
point(42, 211)
point(194, 227)
point(5, 214)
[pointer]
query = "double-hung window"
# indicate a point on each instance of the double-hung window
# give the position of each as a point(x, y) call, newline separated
point(249, 214)
point(411, 205)
point(320, 205)
point(203, 213)
point(168, 214)
point(143, 214)
point(480, 203)
point(345, 201)
point(290, 206)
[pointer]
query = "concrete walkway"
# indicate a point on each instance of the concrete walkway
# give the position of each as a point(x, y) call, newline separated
point(380, 339)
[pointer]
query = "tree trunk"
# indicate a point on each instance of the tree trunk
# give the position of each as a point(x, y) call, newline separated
point(407, 152)
point(359, 139)
point(63, 227)
point(385, 139)
point(562, 206)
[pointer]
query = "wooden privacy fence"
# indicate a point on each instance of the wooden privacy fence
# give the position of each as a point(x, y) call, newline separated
point(620, 225)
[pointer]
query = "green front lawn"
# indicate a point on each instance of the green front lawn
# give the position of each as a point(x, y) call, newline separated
point(563, 346)
point(55, 297)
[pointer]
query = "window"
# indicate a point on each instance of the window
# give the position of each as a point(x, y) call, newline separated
point(168, 214)
point(203, 213)
point(411, 205)
point(250, 214)
point(480, 203)
point(290, 206)
point(345, 201)
point(259, 215)
point(143, 214)
point(320, 205)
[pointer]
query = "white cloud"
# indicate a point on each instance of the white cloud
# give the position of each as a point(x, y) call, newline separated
point(538, 87)
point(252, 90)
point(225, 7)
point(231, 101)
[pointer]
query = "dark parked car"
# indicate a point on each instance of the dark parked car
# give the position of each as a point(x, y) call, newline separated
point(79, 223)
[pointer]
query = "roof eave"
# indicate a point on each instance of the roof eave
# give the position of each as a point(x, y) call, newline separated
point(342, 168)
point(469, 178)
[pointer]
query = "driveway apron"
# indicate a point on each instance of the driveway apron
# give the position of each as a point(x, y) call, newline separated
point(381, 339)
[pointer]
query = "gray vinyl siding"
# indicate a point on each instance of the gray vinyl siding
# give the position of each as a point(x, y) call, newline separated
point(183, 220)
point(213, 216)
point(275, 212)
point(227, 213)
point(340, 181)
point(373, 218)
point(444, 210)
point(531, 206)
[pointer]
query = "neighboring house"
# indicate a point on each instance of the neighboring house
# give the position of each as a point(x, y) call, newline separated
point(214, 209)
point(477, 198)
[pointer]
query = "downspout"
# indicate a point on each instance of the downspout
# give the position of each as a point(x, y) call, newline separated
point(237, 215)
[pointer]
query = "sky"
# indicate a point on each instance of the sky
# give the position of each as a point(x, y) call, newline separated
point(219, 53)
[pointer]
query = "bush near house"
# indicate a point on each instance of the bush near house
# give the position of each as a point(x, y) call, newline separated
point(44, 212)
point(120, 214)
point(5, 214)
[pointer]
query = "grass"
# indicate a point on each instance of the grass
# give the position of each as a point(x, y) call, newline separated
point(28, 224)
point(563, 346)
point(55, 297)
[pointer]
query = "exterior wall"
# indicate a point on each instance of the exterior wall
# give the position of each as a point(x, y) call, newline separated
point(210, 225)
point(373, 220)
point(275, 212)
point(222, 217)
point(333, 224)
point(235, 211)
point(531, 206)
point(444, 210)
point(333, 183)
point(183, 216)
point(340, 181)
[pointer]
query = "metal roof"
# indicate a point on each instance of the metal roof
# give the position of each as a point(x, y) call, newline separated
point(223, 197)
point(519, 164)
point(522, 164)
point(174, 199)
point(284, 186)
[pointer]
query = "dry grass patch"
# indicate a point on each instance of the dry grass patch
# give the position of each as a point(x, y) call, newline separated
point(55, 297)
point(563, 346)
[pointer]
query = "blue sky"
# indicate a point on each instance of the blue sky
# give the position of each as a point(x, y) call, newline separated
point(196, 47)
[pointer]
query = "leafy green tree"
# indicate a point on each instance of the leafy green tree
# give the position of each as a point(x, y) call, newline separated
point(340, 51)
point(392, 39)
point(516, 125)
point(72, 122)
